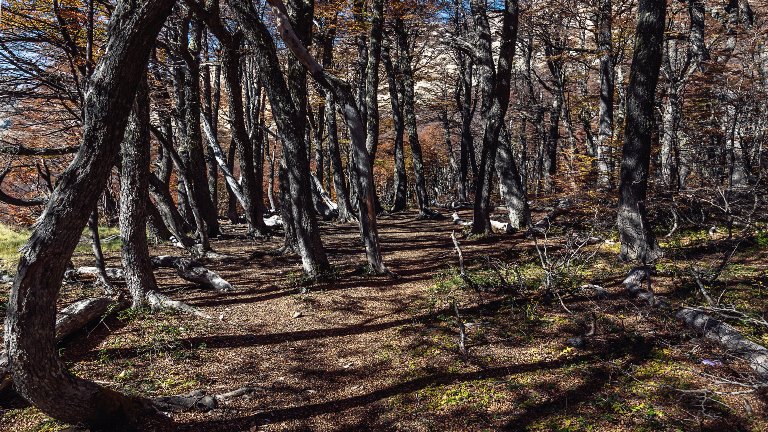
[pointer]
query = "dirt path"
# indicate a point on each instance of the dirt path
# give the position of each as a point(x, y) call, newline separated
point(375, 353)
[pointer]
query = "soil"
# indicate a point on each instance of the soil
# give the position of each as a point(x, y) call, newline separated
point(358, 352)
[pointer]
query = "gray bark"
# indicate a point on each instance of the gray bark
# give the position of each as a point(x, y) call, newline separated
point(638, 242)
point(134, 196)
point(39, 375)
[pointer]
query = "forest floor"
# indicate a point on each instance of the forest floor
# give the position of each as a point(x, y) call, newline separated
point(375, 353)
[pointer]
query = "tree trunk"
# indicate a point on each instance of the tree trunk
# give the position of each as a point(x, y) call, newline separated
point(211, 99)
point(290, 123)
point(372, 78)
point(635, 231)
point(339, 179)
point(248, 182)
point(400, 201)
point(134, 196)
point(605, 121)
point(39, 375)
point(494, 90)
point(98, 254)
point(670, 152)
point(409, 111)
point(231, 197)
point(190, 51)
point(510, 184)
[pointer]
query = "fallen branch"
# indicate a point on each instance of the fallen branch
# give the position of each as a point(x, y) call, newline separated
point(68, 321)
point(193, 271)
point(198, 400)
point(188, 269)
point(462, 332)
point(728, 337)
point(467, 280)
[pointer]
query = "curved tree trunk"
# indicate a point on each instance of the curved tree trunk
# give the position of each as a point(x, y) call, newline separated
point(39, 375)
point(635, 231)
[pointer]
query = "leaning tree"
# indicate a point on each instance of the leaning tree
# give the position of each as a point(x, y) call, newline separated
point(39, 374)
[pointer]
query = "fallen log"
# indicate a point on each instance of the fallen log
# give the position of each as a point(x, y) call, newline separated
point(728, 337)
point(186, 268)
point(459, 221)
point(192, 271)
point(111, 272)
point(504, 227)
point(68, 321)
point(273, 221)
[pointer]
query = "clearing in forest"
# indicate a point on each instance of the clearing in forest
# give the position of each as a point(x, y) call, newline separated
point(374, 353)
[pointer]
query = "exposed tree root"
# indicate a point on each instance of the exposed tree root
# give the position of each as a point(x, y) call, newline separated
point(199, 400)
point(158, 302)
point(634, 284)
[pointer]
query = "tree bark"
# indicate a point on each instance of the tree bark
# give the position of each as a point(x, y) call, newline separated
point(134, 196)
point(346, 213)
point(408, 97)
point(248, 181)
point(510, 184)
point(638, 242)
point(39, 375)
point(400, 201)
point(290, 125)
point(494, 90)
point(372, 78)
point(189, 47)
point(605, 119)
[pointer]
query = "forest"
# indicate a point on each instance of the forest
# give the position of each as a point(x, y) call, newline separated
point(389, 215)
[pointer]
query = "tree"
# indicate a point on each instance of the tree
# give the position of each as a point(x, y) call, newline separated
point(287, 116)
point(342, 91)
point(638, 242)
point(134, 198)
point(494, 91)
point(39, 375)
point(605, 122)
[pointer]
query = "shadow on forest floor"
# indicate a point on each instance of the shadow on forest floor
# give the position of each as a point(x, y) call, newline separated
point(378, 353)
